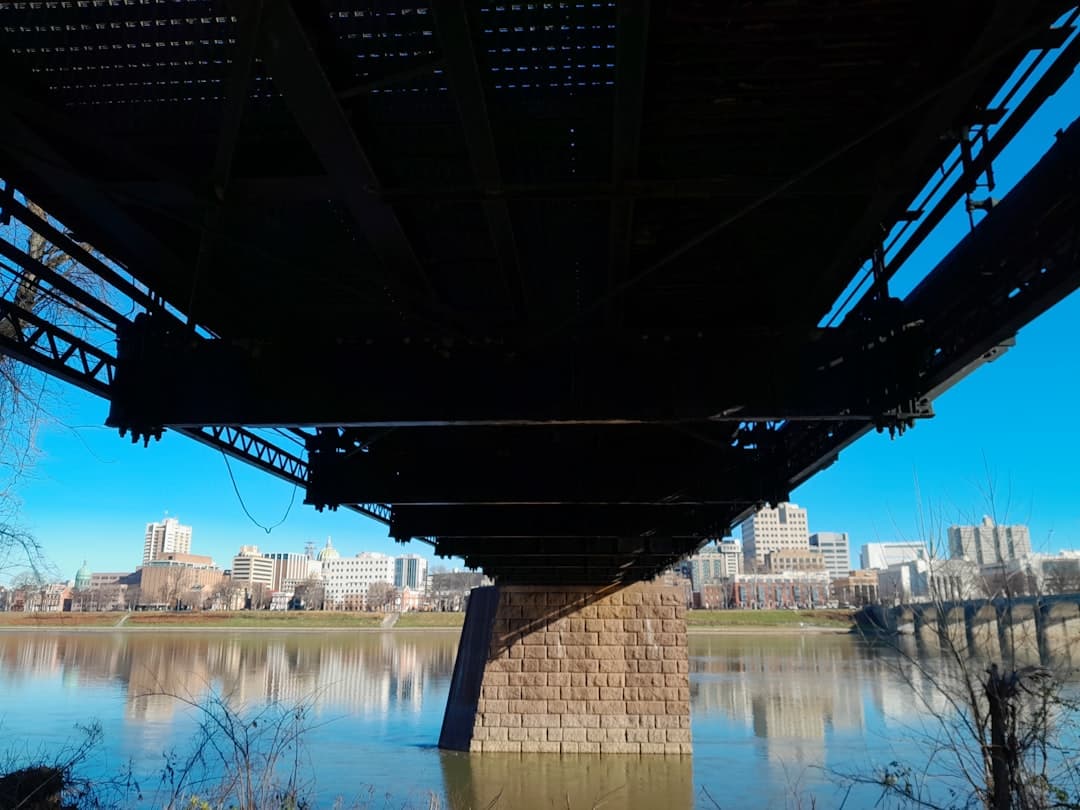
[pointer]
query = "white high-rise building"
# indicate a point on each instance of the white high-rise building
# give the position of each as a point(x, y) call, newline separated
point(166, 537)
point(410, 571)
point(252, 568)
point(836, 549)
point(347, 579)
point(782, 528)
point(989, 543)
point(880, 556)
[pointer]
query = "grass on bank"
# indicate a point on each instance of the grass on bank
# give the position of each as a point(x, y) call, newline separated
point(284, 620)
point(432, 619)
point(58, 619)
point(768, 618)
point(257, 618)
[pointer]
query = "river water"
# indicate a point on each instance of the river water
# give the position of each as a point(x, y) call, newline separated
point(775, 718)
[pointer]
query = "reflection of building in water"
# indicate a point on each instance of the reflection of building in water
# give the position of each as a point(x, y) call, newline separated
point(789, 691)
point(374, 674)
point(909, 691)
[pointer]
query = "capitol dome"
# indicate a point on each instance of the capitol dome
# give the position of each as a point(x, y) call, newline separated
point(328, 552)
point(82, 578)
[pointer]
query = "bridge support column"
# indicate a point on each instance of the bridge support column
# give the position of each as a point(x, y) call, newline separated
point(927, 628)
point(1020, 634)
point(571, 669)
point(1060, 632)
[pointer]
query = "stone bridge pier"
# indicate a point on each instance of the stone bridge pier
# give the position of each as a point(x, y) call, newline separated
point(1060, 623)
point(983, 628)
point(571, 669)
point(927, 632)
point(1020, 633)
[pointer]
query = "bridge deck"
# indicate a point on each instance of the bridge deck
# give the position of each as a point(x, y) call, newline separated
point(542, 281)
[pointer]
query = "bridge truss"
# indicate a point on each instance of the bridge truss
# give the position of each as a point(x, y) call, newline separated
point(516, 279)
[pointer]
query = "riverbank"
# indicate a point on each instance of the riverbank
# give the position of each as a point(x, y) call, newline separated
point(769, 621)
point(736, 622)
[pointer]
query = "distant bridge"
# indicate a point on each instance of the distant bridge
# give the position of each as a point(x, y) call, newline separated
point(1027, 628)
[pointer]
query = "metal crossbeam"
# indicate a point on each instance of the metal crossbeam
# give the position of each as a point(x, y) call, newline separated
point(631, 46)
point(298, 74)
point(48, 348)
point(601, 379)
point(463, 73)
point(55, 351)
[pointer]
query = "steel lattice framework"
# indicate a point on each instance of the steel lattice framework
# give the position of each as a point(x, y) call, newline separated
point(566, 288)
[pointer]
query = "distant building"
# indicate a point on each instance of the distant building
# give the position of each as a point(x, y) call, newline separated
point(166, 537)
point(83, 578)
point(989, 543)
point(836, 549)
point(179, 581)
point(328, 552)
point(787, 590)
point(250, 568)
point(794, 559)
point(856, 588)
point(714, 562)
point(100, 580)
point(880, 556)
point(923, 580)
point(449, 590)
point(410, 571)
point(784, 527)
point(289, 568)
point(347, 579)
point(407, 600)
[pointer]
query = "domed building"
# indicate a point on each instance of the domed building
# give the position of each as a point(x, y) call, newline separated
point(328, 552)
point(82, 578)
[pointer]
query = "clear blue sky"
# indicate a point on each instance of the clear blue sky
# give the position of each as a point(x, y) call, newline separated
point(92, 493)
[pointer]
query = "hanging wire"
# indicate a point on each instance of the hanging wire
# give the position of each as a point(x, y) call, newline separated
point(240, 498)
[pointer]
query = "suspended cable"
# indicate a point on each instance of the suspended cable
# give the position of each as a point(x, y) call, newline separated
point(240, 498)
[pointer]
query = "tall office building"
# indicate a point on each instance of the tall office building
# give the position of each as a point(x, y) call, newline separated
point(289, 567)
point(879, 556)
point(347, 579)
point(252, 568)
point(410, 571)
point(836, 549)
point(989, 543)
point(166, 537)
point(784, 527)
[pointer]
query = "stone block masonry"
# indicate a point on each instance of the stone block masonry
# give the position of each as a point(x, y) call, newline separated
point(574, 669)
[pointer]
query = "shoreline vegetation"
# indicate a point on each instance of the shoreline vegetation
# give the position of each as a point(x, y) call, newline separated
point(697, 621)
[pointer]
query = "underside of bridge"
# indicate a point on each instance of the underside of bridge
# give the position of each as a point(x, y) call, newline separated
point(553, 286)
point(561, 288)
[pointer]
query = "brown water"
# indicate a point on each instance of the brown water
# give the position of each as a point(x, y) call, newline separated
point(774, 717)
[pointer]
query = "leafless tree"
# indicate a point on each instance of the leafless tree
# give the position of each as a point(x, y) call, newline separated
point(259, 595)
point(380, 596)
point(24, 402)
point(311, 593)
point(995, 700)
point(132, 597)
point(226, 594)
